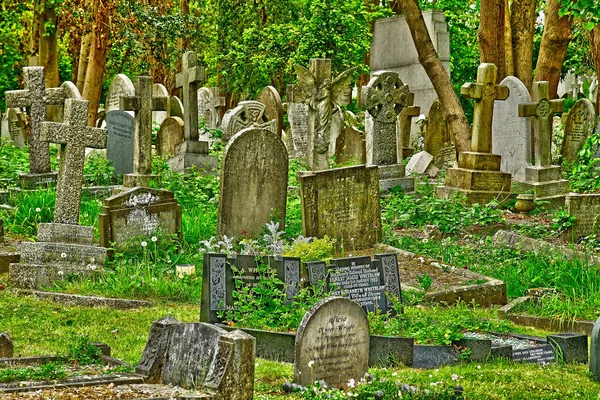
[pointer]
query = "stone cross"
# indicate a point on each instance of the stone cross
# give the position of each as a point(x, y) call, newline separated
point(74, 136)
point(188, 79)
point(210, 106)
point(543, 110)
point(38, 98)
point(143, 103)
point(384, 97)
point(403, 124)
point(484, 92)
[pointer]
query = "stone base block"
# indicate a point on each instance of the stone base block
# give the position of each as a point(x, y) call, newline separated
point(36, 181)
point(65, 233)
point(547, 189)
point(407, 184)
point(201, 162)
point(543, 174)
point(391, 171)
point(62, 254)
point(192, 146)
point(478, 180)
point(475, 196)
point(35, 276)
point(133, 180)
point(8, 255)
point(479, 161)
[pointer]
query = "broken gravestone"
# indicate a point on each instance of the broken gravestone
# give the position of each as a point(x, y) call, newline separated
point(6, 346)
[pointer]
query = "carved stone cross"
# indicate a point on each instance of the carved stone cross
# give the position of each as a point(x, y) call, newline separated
point(384, 97)
point(484, 92)
point(74, 136)
point(188, 79)
point(209, 102)
point(543, 110)
point(38, 98)
point(143, 103)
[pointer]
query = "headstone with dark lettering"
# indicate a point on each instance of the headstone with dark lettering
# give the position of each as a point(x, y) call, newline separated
point(332, 344)
point(169, 136)
point(342, 203)
point(254, 177)
point(298, 119)
point(119, 147)
point(121, 85)
point(222, 275)
point(579, 126)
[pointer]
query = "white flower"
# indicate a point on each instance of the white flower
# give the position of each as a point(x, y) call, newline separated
point(92, 260)
point(60, 273)
point(63, 255)
point(311, 363)
point(144, 243)
point(425, 240)
point(92, 267)
point(154, 238)
point(37, 209)
point(454, 377)
point(351, 383)
point(479, 367)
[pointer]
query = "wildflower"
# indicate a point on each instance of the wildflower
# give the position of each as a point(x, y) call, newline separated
point(425, 240)
point(479, 367)
point(37, 209)
point(351, 383)
point(92, 267)
point(144, 243)
point(92, 260)
point(395, 374)
point(63, 255)
point(154, 238)
point(454, 377)
point(61, 273)
point(311, 363)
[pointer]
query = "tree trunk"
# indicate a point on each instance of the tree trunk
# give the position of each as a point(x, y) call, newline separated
point(508, 41)
point(48, 52)
point(594, 35)
point(491, 35)
point(522, 25)
point(363, 79)
point(34, 39)
point(84, 58)
point(453, 111)
point(553, 49)
point(183, 43)
point(92, 87)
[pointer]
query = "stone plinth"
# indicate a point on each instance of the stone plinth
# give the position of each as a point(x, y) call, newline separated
point(193, 155)
point(586, 210)
point(391, 176)
point(547, 184)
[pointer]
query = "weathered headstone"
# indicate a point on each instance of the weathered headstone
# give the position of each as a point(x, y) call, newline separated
point(138, 213)
point(220, 280)
point(169, 136)
point(332, 344)
point(143, 103)
point(254, 178)
point(323, 96)
point(511, 135)
point(70, 91)
point(199, 355)
point(16, 127)
point(350, 146)
point(579, 126)
point(63, 247)
point(159, 90)
point(7, 348)
point(478, 174)
point(175, 107)
point(298, 118)
point(595, 351)
point(247, 114)
point(419, 163)
point(121, 85)
point(270, 97)
point(119, 147)
point(342, 203)
point(209, 103)
point(435, 129)
point(586, 210)
point(404, 128)
point(544, 178)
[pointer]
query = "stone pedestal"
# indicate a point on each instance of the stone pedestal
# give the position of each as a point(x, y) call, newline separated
point(547, 184)
point(37, 181)
point(394, 175)
point(193, 154)
point(478, 176)
point(61, 250)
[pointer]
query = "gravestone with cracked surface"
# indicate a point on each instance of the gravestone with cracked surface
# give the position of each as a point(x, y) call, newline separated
point(579, 126)
point(478, 174)
point(544, 178)
point(120, 143)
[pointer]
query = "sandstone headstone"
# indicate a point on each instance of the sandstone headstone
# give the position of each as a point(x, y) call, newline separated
point(70, 91)
point(138, 213)
point(121, 85)
point(350, 147)
point(595, 351)
point(119, 147)
point(16, 127)
point(7, 348)
point(435, 128)
point(586, 210)
point(4, 134)
point(342, 203)
point(247, 114)
point(298, 118)
point(175, 107)
point(159, 90)
point(254, 178)
point(169, 136)
point(332, 344)
point(579, 126)
point(209, 104)
point(511, 135)
point(270, 97)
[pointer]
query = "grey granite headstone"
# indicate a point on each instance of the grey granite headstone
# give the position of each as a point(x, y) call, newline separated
point(16, 127)
point(169, 136)
point(332, 344)
point(247, 114)
point(572, 347)
point(595, 351)
point(270, 97)
point(119, 147)
point(579, 126)
point(6, 346)
point(511, 135)
point(121, 85)
point(254, 178)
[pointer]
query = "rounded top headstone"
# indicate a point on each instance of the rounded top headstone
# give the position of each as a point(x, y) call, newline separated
point(332, 344)
point(121, 85)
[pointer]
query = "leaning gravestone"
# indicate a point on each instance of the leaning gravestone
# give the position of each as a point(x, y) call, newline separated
point(139, 212)
point(254, 180)
point(199, 355)
point(595, 351)
point(342, 203)
point(169, 136)
point(332, 344)
point(221, 276)
point(511, 135)
point(6, 346)
point(580, 125)
point(121, 85)
point(16, 127)
point(270, 97)
point(119, 147)
point(247, 114)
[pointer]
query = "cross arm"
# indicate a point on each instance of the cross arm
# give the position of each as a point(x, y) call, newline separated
point(130, 103)
point(54, 132)
point(472, 90)
point(17, 98)
point(412, 111)
point(558, 105)
point(528, 110)
point(94, 137)
point(160, 103)
point(55, 96)
point(502, 92)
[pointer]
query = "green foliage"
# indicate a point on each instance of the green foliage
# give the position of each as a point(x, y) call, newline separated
point(48, 371)
point(98, 171)
point(585, 173)
point(13, 161)
point(315, 250)
point(425, 281)
point(12, 29)
point(30, 210)
point(83, 351)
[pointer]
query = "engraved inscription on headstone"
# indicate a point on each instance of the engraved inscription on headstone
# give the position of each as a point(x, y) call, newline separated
point(579, 126)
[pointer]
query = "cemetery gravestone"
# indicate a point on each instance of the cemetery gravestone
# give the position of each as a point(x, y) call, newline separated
point(586, 210)
point(595, 351)
point(169, 136)
point(209, 103)
point(16, 127)
point(511, 135)
point(6, 346)
point(436, 135)
point(121, 85)
point(579, 126)
point(342, 203)
point(478, 174)
point(159, 90)
point(247, 114)
point(298, 118)
point(254, 180)
point(404, 128)
point(270, 97)
point(350, 146)
point(175, 107)
point(4, 134)
point(220, 274)
point(70, 91)
point(544, 178)
point(120, 143)
point(332, 344)
point(139, 212)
